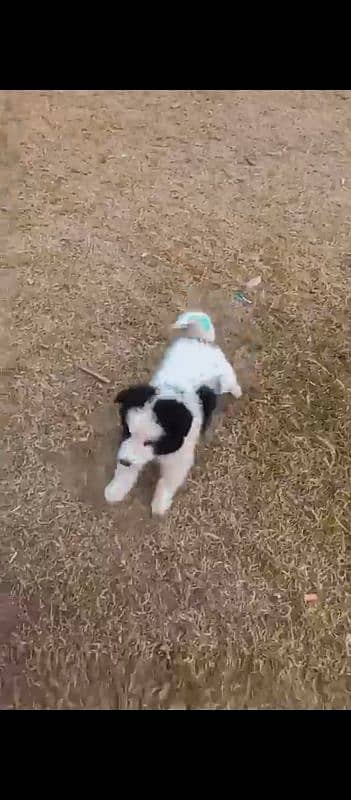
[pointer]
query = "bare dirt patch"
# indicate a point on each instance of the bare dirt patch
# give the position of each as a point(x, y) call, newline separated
point(118, 209)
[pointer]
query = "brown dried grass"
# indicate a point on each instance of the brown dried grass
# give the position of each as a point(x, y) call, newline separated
point(117, 210)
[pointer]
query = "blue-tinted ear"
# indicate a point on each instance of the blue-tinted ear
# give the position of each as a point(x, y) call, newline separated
point(176, 421)
point(135, 396)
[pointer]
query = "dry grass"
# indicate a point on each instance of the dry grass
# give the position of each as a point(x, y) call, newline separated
point(116, 207)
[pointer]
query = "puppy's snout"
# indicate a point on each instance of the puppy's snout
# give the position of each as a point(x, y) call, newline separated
point(125, 463)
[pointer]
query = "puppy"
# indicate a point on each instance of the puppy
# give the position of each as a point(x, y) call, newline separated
point(164, 419)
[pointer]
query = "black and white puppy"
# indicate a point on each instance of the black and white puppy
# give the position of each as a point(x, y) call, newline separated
point(164, 419)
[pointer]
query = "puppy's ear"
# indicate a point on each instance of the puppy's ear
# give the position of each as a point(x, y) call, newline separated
point(208, 402)
point(120, 397)
point(135, 396)
point(175, 420)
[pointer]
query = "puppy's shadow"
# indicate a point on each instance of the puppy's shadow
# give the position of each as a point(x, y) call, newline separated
point(86, 467)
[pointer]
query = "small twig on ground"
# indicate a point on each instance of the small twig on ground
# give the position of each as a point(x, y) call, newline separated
point(95, 375)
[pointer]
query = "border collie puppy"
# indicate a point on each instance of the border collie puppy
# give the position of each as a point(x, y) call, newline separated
point(163, 420)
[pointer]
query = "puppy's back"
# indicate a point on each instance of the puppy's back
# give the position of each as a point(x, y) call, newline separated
point(188, 364)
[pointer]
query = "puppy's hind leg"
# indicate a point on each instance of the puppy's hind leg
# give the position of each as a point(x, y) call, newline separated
point(174, 470)
point(236, 389)
point(229, 382)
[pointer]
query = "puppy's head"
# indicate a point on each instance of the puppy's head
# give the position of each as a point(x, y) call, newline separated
point(151, 426)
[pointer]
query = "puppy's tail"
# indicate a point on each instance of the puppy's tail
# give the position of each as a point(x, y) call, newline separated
point(197, 324)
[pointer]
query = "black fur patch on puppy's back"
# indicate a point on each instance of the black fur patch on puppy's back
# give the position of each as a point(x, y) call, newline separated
point(208, 401)
point(176, 421)
point(134, 397)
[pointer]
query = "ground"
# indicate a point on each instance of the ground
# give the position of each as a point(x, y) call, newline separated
point(118, 210)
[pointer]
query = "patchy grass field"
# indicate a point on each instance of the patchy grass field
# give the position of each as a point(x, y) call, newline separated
point(117, 210)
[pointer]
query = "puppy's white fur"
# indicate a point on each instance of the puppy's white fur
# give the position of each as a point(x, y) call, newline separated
point(188, 364)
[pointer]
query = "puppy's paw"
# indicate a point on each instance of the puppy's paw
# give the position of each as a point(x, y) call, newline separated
point(114, 492)
point(161, 502)
point(159, 509)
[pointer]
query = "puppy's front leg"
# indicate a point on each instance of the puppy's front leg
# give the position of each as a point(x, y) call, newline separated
point(122, 482)
point(174, 470)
